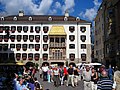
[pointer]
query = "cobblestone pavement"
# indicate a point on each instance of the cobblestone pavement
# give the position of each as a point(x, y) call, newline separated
point(50, 86)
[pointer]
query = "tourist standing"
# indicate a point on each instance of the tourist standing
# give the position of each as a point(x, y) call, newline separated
point(116, 84)
point(104, 83)
point(87, 78)
point(94, 79)
point(110, 72)
point(56, 76)
point(70, 75)
point(76, 74)
point(45, 70)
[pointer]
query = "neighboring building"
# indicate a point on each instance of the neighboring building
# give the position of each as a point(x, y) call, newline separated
point(111, 16)
point(45, 38)
point(99, 36)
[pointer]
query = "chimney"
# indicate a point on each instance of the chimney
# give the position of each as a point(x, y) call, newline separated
point(21, 13)
point(66, 13)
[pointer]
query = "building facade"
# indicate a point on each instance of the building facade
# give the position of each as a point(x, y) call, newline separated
point(99, 35)
point(111, 39)
point(45, 38)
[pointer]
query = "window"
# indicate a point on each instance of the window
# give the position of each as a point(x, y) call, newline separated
point(6, 38)
point(13, 29)
point(72, 46)
point(71, 37)
point(107, 49)
point(45, 38)
point(83, 38)
point(19, 29)
point(72, 56)
point(5, 56)
point(31, 46)
point(0, 47)
point(18, 47)
point(45, 47)
point(37, 47)
point(12, 45)
point(6, 28)
point(45, 56)
point(18, 56)
point(30, 56)
point(45, 29)
point(31, 38)
point(37, 29)
point(37, 38)
point(83, 46)
point(36, 56)
point(51, 39)
point(25, 38)
point(11, 56)
point(25, 29)
point(1, 29)
point(5, 47)
point(1, 37)
point(12, 37)
point(31, 29)
point(24, 56)
point(71, 28)
point(19, 37)
point(24, 47)
point(82, 29)
point(83, 57)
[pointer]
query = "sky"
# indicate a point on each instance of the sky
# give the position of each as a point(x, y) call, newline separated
point(84, 9)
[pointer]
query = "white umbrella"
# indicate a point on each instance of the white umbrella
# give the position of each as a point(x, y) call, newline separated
point(95, 64)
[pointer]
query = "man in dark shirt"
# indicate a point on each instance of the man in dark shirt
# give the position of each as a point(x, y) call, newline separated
point(70, 75)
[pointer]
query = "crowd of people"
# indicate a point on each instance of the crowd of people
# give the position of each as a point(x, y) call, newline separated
point(100, 78)
point(25, 80)
point(94, 78)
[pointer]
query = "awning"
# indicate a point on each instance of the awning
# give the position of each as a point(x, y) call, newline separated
point(19, 63)
point(57, 30)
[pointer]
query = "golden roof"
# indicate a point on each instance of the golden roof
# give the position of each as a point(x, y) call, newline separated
point(57, 30)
